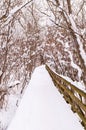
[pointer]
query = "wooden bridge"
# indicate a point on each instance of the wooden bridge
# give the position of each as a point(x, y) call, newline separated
point(73, 95)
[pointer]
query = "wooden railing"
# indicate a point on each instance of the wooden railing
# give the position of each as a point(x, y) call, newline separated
point(72, 95)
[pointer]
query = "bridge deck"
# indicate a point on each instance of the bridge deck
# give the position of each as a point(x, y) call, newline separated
point(43, 107)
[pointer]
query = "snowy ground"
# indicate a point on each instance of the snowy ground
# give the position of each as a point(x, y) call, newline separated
point(43, 108)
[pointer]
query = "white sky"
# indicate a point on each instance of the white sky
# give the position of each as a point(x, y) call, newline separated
point(43, 107)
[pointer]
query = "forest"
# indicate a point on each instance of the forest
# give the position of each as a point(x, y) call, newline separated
point(34, 33)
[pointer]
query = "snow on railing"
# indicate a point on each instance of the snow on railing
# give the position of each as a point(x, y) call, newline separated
point(72, 95)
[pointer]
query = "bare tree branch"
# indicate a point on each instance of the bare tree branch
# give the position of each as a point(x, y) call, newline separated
point(81, 6)
point(8, 18)
point(69, 6)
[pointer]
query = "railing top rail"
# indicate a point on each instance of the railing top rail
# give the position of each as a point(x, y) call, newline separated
point(69, 91)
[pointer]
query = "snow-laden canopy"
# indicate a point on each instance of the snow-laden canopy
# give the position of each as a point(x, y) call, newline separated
point(43, 108)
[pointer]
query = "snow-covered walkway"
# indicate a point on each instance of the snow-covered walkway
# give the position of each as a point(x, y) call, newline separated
point(43, 108)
